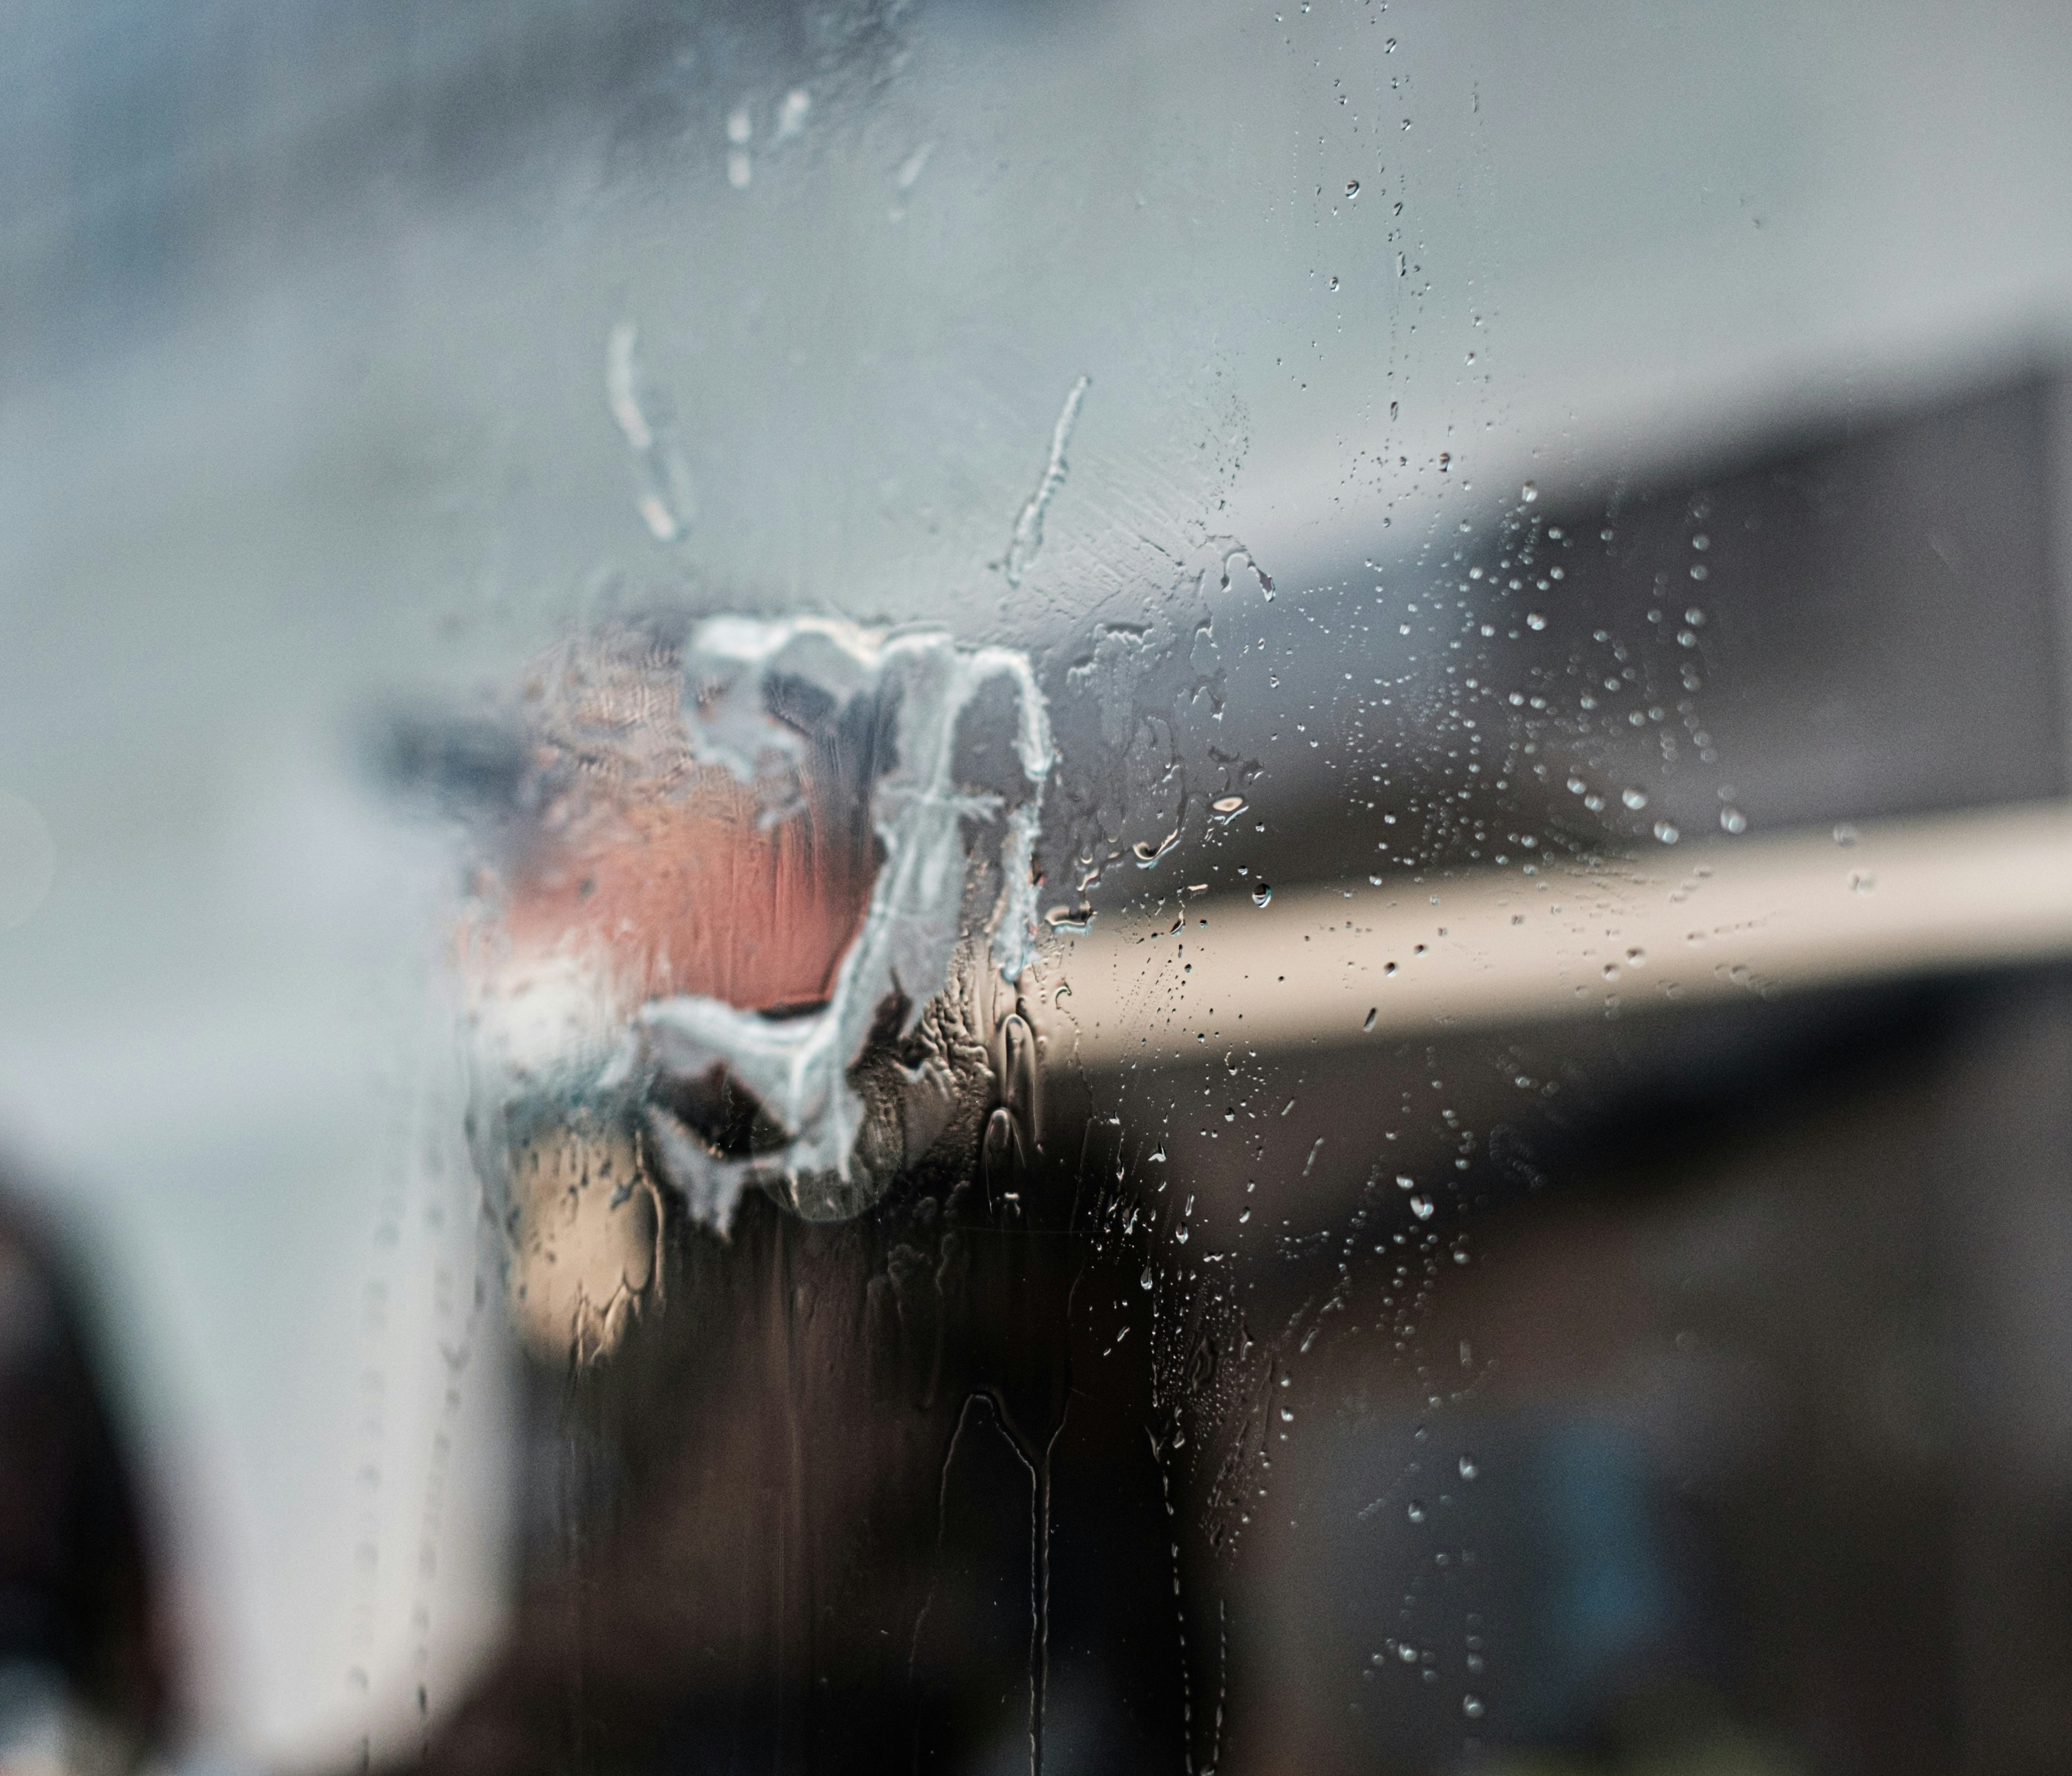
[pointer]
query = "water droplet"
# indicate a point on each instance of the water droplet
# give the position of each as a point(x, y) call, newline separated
point(1577, 786)
point(1861, 881)
point(1529, 492)
point(1335, 283)
point(1422, 1206)
point(1732, 820)
point(1070, 918)
point(1352, 188)
point(1145, 1281)
point(1534, 619)
point(1636, 958)
point(1634, 799)
point(1845, 834)
point(1147, 853)
point(1026, 541)
point(1472, 1706)
point(1226, 808)
point(1180, 1233)
point(1666, 831)
point(1406, 1653)
point(1415, 1513)
point(1262, 894)
point(1469, 1467)
point(912, 168)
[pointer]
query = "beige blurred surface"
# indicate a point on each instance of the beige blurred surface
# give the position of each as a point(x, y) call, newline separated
point(1721, 920)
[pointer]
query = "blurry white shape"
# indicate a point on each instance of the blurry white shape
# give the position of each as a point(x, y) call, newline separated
point(798, 1067)
point(791, 114)
point(622, 376)
point(660, 521)
point(545, 1012)
point(1027, 542)
point(28, 860)
point(910, 168)
point(665, 497)
point(740, 127)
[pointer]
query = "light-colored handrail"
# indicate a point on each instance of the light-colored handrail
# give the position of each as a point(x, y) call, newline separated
point(1728, 918)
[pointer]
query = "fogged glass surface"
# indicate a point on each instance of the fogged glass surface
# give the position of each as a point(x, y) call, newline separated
point(953, 886)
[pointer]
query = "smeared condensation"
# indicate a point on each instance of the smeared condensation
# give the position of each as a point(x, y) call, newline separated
point(664, 496)
point(1027, 540)
point(736, 920)
point(744, 682)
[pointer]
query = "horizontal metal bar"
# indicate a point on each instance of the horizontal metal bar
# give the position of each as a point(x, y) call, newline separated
point(1724, 919)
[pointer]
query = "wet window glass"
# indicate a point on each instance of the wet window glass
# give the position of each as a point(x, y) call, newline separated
point(929, 884)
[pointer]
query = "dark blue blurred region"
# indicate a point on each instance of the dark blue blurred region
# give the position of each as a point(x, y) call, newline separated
point(1525, 1578)
point(1606, 1595)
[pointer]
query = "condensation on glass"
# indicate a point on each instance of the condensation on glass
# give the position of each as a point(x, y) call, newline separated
point(1146, 887)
